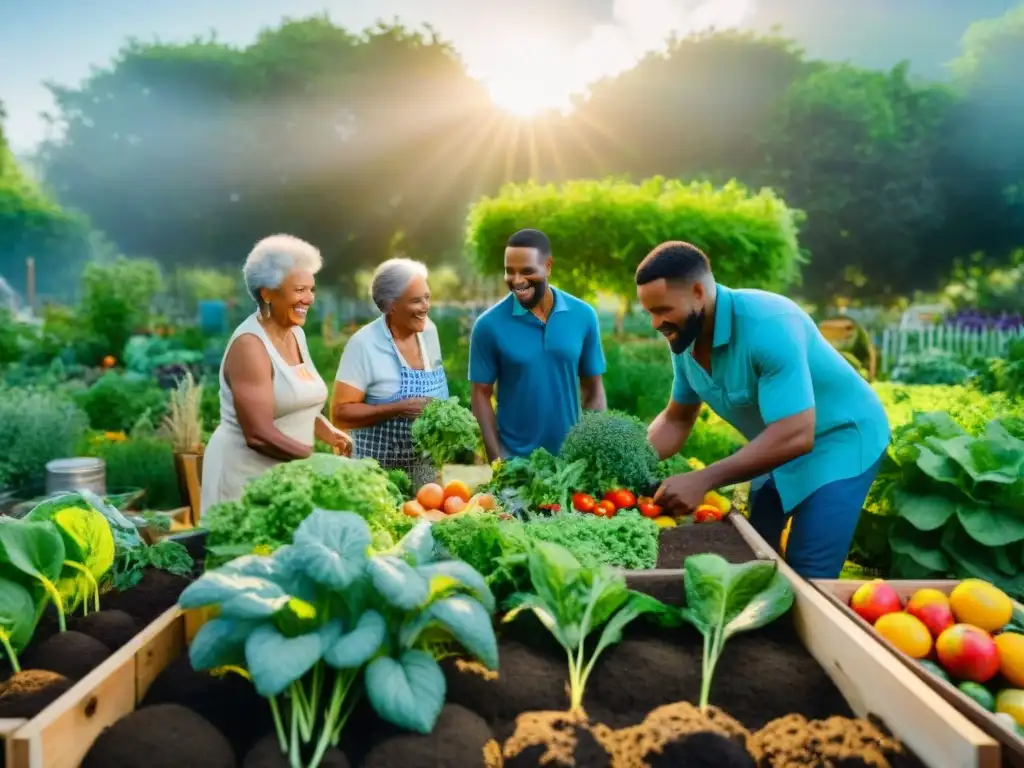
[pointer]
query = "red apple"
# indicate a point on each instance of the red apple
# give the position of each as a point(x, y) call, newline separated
point(932, 607)
point(968, 653)
point(875, 599)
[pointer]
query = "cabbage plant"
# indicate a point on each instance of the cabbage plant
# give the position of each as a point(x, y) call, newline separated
point(325, 619)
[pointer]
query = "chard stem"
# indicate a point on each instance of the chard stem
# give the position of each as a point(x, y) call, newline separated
point(294, 756)
point(58, 603)
point(282, 739)
point(337, 697)
point(10, 652)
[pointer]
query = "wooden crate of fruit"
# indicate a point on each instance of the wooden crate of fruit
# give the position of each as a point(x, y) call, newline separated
point(979, 670)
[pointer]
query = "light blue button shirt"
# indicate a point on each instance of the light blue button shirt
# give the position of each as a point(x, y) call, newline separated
point(769, 361)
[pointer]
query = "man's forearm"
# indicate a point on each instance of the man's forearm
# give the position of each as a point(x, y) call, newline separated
point(594, 398)
point(780, 443)
point(483, 410)
point(668, 436)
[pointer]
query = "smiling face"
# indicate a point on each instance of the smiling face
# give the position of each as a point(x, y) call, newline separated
point(677, 309)
point(409, 312)
point(526, 273)
point(290, 302)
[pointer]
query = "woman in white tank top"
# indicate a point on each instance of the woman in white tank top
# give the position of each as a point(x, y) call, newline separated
point(271, 396)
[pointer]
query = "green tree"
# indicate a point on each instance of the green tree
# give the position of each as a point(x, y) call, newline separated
point(117, 299)
point(600, 230)
point(854, 149)
point(191, 153)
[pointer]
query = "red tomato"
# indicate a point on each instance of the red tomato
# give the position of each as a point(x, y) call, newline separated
point(583, 502)
point(648, 508)
point(707, 513)
point(605, 509)
point(550, 507)
point(621, 498)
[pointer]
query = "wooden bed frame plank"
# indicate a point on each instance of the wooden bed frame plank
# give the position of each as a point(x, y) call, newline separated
point(839, 592)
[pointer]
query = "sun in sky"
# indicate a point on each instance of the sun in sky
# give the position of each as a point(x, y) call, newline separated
point(527, 77)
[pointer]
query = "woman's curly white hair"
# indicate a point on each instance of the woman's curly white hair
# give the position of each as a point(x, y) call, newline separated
point(390, 280)
point(273, 258)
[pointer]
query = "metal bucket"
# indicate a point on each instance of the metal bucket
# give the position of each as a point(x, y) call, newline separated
point(76, 474)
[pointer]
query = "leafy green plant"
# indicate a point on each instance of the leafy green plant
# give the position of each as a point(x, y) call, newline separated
point(615, 450)
point(116, 301)
point(540, 481)
point(88, 551)
point(447, 433)
point(164, 555)
point(572, 602)
point(32, 554)
point(933, 366)
point(115, 403)
point(723, 599)
point(17, 619)
point(142, 461)
point(36, 427)
point(956, 502)
point(325, 618)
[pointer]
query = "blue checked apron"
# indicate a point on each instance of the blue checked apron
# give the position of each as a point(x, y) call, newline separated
point(390, 442)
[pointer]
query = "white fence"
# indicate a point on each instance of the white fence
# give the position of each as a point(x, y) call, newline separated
point(897, 342)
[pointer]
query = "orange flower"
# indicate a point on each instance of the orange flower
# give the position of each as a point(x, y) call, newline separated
point(114, 437)
point(109, 361)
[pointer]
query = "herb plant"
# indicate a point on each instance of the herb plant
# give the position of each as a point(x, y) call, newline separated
point(572, 602)
point(446, 433)
point(326, 618)
point(723, 599)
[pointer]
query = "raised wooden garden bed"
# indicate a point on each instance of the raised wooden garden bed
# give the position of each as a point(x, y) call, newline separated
point(812, 662)
point(839, 594)
point(68, 671)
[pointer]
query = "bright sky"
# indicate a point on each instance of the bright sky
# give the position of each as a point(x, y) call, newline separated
point(531, 53)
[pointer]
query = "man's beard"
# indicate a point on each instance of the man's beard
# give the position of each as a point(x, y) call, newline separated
point(686, 334)
point(540, 289)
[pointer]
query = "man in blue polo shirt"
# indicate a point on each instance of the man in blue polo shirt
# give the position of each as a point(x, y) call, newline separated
point(542, 348)
point(816, 429)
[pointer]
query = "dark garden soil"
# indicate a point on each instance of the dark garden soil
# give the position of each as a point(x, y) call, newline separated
point(722, 538)
point(55, 660)
point(163, 736)
point(267, 754)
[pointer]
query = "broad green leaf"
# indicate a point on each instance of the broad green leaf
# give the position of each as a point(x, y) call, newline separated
point(398, 582)
point(994, 459)
point(296, 617)
point(469, 624)
point(906, 567)
point(543, 614)
point(417, 546)
point(34, 549)
point(923, 547)
point(408, 692)
point(352, 650)
point(332, 547)
point(969, 559)
point(926, 513)
point(93, 541)
point(276, 661)
point(220, 642)
point(768, 605)
point(609, 593)
point(990, 526)
point(17, 614)
point(636, 605)
point(552, 570)
point(717, 591)
point(239, 597)
point(934, 462)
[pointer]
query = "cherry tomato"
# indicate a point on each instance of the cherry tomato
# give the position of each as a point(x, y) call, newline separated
point(583, 502)
point(621, 498)
point(550, 507)
point(648, 508)
point(706, 513)
point(605, 509)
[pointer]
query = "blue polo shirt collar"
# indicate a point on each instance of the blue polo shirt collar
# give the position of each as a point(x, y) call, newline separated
point(559, 305)
point(723, 317)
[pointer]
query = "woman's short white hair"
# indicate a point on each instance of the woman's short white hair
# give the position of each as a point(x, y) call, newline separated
point(273, 258)
point(390, 280)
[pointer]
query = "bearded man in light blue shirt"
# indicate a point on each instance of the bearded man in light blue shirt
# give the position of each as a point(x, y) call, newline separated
point(816, 429)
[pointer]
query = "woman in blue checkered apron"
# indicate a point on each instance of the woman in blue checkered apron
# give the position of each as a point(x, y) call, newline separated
point(390, 369)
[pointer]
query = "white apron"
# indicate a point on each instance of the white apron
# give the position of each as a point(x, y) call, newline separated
point(299, 397)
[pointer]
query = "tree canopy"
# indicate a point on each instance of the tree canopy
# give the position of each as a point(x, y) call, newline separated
point(376, 142)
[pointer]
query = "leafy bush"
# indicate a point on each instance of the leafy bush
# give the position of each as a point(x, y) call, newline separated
point(638, 379)
point(142, 461)
point(115, 403)
point(933, 366)
point(609, 226)
point(971, 408)
point(1002, 374)
point(36, 426)
point(957, 503)
point(615, 450)
point(117, 298)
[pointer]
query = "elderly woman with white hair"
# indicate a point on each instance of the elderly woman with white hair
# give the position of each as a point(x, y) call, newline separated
point(271, 396)
point(389, 370)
